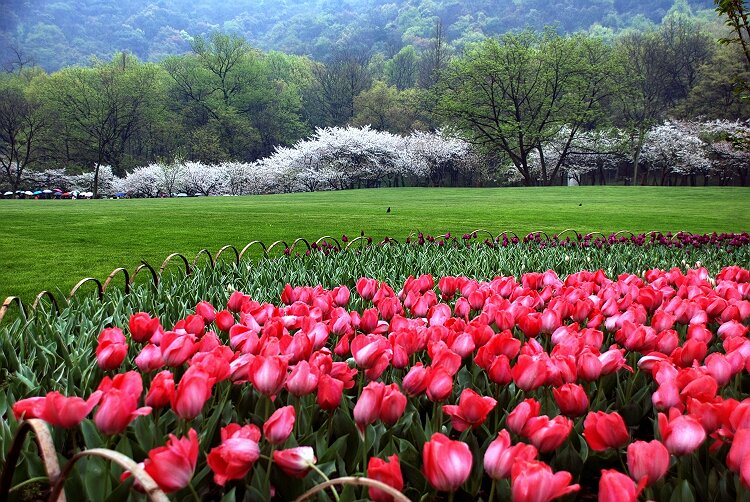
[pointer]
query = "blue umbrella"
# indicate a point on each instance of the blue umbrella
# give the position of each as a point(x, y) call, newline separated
point(120, 194)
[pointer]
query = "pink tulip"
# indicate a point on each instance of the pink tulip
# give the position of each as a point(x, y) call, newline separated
point(295, 462)
point(268, 373)
point(615, 486)
point(649, 461)
point(193, 390)
point(533, 481)
point(279, 425)
point(500, 455)
point(446, 463)
point(681, 434)
point(67, 412)
point(172, 466)
point(161, 392)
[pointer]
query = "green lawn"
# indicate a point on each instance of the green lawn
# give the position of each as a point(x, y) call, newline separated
point(52, 244)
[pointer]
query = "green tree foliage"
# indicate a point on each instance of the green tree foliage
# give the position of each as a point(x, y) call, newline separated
point(242, 101)
point(98, 110)
point(516, 93)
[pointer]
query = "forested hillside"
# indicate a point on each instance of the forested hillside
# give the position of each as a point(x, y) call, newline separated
point(54, 34)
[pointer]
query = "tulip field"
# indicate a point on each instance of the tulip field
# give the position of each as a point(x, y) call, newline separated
point(454, 367)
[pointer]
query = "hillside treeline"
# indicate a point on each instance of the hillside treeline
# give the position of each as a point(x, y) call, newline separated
point(58, 33)
point(512, 97)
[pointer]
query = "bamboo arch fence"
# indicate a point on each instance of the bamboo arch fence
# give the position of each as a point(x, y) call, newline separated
point(237, 255)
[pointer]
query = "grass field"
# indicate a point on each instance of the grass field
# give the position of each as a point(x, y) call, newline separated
point(52, 244)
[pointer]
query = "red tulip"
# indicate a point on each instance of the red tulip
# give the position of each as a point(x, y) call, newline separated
point(111, 349)
point(649, 461)
point(67, 412)
point(447, 463)
point(176, 348)
point(739, 451)
point(367, 409)
point(149, 358)
point(529, 372)
point(615, 486)
point(500, 455)
point(206, 311)
point(533, 481)
point(295, 462)
point(546, 434)
point(416, 380)
point(119, 404)
point(330, 391)
point(193, 390)
point(471, 411)
point(268, 373)
point(32, 407)
point(236, 454)
point(224, 321)
point(279, 425)
point(161, 392)
point(681, 434)
point(605, 430)
point(143, 327)
point(393, 406)
point(388, 472)
point(173, 465)
point(236, 299)
point(571, 399)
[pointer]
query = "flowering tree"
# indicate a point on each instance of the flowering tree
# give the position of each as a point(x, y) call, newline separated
point(729, 149)
point(143, 182)
point(676, 148)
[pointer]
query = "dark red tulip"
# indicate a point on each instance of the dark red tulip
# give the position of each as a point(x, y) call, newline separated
point(142, 327)
point(471, 411)
point(605, 430)
point(236, 454)
point(385, 471)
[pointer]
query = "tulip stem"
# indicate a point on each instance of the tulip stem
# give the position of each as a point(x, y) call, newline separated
point(492, 490)
point(450, 496)
point(364, 452)
point(192, 490)
point(322, 474)
point(268, 469)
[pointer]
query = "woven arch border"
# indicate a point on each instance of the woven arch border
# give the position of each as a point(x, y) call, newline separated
point(233, 255)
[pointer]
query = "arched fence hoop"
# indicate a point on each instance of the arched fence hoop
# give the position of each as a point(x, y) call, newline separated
point(38, 301)
point(566, 231)
point(354, 481)
point(223, 249)
point(296, 243)
point(145, 266)
point(112, 275)
point(274, 244)
point(360, 239)
point(10, 301)
point(251, 244)
point(46, 448)
point(507, 233)
point(99, 289)
point(206, 252)
point(170, 258)
point(153, 492)
point(327, 239)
